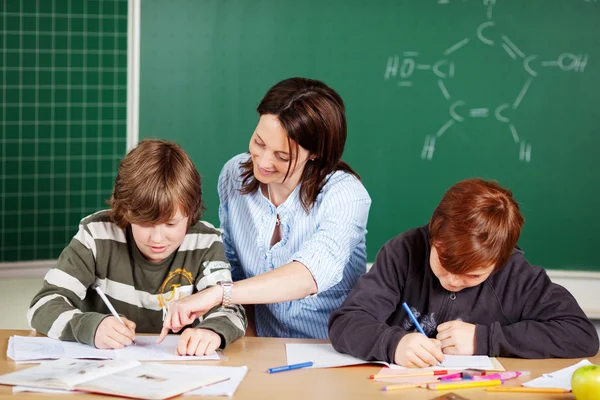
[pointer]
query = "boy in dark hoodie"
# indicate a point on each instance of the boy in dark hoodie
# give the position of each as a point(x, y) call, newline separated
point(471, 289)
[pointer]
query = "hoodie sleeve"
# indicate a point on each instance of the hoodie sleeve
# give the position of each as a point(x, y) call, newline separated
point(359, 326)
point(551, 324)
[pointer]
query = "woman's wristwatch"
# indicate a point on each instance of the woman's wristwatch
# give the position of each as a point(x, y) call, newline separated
point(226, 299)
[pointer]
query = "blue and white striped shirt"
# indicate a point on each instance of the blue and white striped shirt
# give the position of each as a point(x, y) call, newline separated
point(329, 240)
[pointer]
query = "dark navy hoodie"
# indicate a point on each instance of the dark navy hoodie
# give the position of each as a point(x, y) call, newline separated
point(518, 311)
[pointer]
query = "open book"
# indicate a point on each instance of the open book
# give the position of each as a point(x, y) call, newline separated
point(128, 378)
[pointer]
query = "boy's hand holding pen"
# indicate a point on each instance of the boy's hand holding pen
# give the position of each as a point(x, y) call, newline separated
point(114, 332)
point(416, 349)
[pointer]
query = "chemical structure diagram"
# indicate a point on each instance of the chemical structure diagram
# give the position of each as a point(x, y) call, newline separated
point(404, 67)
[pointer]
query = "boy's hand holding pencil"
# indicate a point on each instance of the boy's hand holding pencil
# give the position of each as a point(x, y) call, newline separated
point(114, 334)
point(418, 351)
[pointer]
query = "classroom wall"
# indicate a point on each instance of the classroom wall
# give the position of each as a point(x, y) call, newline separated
point(17, 293)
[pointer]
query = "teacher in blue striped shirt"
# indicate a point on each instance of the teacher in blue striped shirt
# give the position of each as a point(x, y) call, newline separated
point(293, 215)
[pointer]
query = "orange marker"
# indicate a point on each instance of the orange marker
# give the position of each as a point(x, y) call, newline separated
point(401, 386)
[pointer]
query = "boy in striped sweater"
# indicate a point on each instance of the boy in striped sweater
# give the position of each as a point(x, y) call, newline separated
point(148, 250)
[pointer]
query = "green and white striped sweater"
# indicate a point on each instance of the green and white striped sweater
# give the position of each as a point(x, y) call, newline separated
point(67, 308)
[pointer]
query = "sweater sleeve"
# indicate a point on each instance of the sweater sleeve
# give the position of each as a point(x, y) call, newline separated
point(229, 322)
point(359, 327)
point(56, 309)
point(551, 325)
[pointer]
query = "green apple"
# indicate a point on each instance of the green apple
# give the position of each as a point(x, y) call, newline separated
point(585, 383)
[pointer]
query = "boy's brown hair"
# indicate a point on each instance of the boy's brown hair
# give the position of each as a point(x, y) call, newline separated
point(155, 179)
point(477, 224)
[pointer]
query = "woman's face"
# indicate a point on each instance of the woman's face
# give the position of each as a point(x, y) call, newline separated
point(271, 154)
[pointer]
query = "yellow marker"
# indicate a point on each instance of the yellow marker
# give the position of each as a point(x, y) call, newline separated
point(464, 384)
point(523, 389)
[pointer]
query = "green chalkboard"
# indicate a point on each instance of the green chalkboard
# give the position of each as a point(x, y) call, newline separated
point(63, 78)
point(436, 91)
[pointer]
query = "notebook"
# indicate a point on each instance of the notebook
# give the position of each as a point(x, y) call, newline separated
point(325, 356)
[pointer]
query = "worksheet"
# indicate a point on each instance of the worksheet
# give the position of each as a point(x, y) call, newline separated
point(25, 348)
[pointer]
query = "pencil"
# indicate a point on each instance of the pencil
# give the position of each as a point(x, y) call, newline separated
point(109, 305)
point(524, 389)
point(464, 384)
point(401, 386)
point(411, 374)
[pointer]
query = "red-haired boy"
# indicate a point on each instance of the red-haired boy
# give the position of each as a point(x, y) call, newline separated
point(470, 287)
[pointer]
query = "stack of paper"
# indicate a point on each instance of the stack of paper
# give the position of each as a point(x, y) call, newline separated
point(36, 349)
point(325, 356)
point(557, 379)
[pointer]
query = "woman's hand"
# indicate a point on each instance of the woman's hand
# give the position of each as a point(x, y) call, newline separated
point(184, 311)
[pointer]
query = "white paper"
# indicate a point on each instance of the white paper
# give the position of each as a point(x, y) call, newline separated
point(325, 356)
point(557, 379)
point(10, 349)
point(146, 349)
point(464, 362)
point(225, 388)
point(20, 389)
point(322, 355)
point(26, 348)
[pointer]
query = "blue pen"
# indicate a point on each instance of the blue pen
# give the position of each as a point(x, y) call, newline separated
point(290, 367)
point(414, 320)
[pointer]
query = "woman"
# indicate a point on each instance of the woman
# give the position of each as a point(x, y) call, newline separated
point(294, 217)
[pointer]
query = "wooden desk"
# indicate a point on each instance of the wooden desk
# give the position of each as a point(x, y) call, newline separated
point(333, 383)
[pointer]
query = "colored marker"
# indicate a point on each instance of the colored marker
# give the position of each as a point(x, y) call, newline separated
point(451, 376)
point(523, 389)
point(471, 372)
point(501, 375)
point(290, 367)
point(401, 386)
point(410, 374)
point(464, 384)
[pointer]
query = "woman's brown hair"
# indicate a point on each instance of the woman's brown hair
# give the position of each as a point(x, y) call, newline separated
point(477, 224)
point(155, 179)
point(313, 116)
